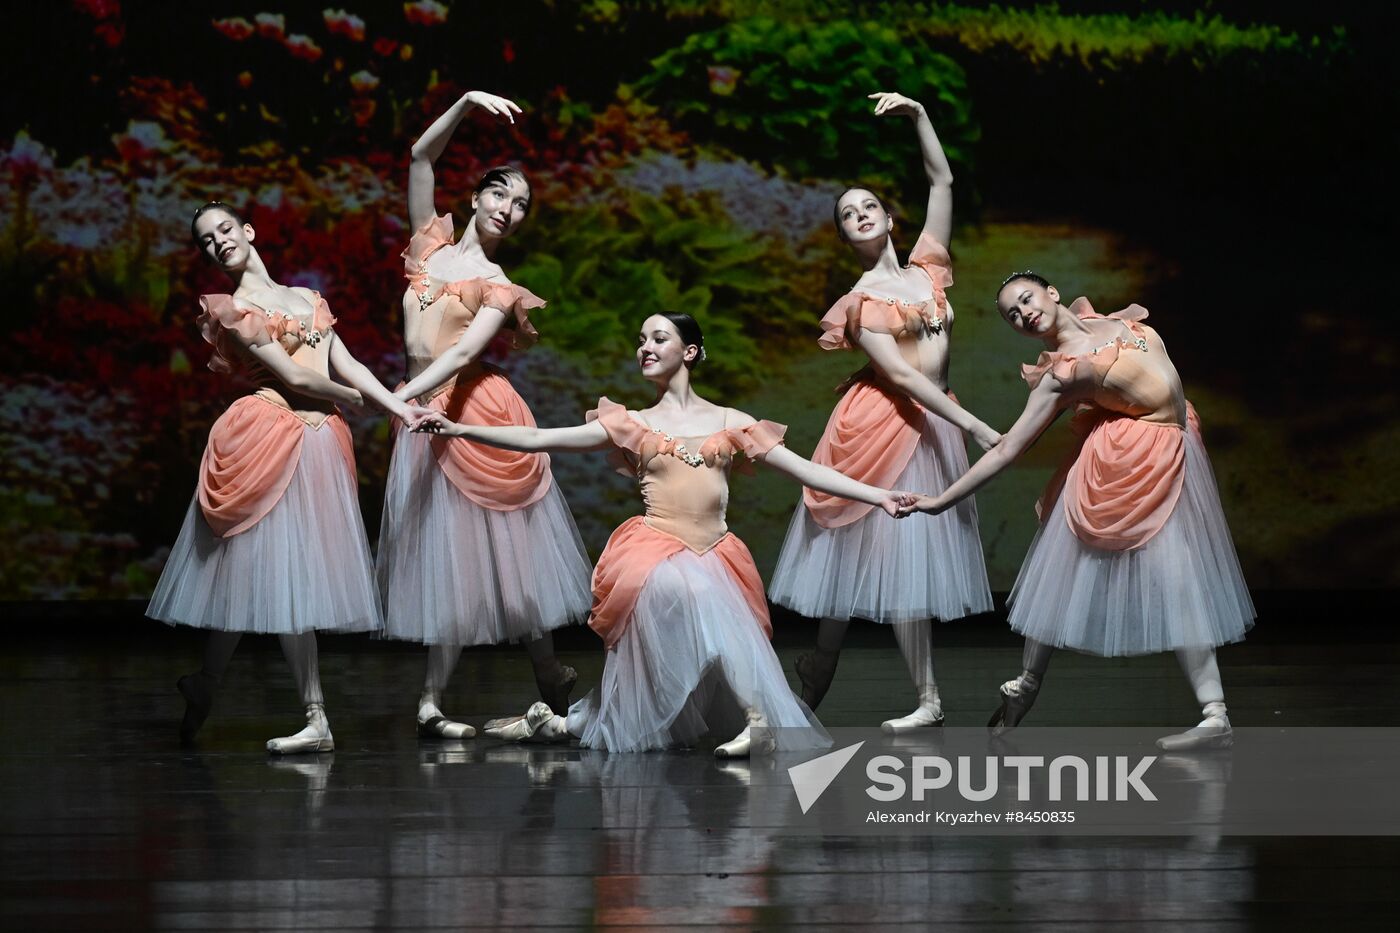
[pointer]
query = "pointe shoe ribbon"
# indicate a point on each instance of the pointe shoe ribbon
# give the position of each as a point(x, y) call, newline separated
point(1017, 698)
point(523, 727)
point(440, 727)
point(316, 737)
point(921, 718)
point(1212, 732)
point(744, 745)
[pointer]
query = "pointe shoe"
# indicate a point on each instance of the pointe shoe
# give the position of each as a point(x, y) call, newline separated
point(815, 676)
point(556, 692)
point(1017, 698)
point(440, 727)
point(199, 700)
point(316, 737)
point(521, 728)
point(921, 718)
point(744, 744)
point(1212, 732)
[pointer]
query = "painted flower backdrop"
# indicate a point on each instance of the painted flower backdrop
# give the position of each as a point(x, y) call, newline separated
point(683, 155)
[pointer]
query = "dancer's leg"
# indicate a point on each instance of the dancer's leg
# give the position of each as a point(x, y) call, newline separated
point(1018, 695)
point(198, 688)
point(916, 644)
point(304, 660)
point(554, 680)
point(816, 668)
point(442, 661)
point(1213, 731)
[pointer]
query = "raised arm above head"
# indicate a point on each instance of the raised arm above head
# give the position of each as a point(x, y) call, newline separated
point(431, 145)
point(938, 220)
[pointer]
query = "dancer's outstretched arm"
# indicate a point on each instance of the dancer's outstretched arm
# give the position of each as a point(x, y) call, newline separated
point(824, 478)
point(473, 342)
point(1044, 405)
point(591, 436)
point(299, 379)
point(359, 376)
point(938, 221)
point(884, 354)
point(433, 142)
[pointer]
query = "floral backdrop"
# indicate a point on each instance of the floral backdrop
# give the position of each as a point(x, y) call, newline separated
point(685, 156)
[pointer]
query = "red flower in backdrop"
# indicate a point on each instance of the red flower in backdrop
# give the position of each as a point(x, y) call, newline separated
point(236, 28)
point(425, 13)
point(344, 23)
point(302, 47)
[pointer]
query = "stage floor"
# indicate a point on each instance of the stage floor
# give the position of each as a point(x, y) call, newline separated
point(109, 825)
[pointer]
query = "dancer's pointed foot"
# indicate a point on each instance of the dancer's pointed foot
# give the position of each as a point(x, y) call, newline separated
point(922, 718)
point(316, 737)
point(815, 670)
point(556, 688)
point(745, 743)
point(1017, 698)
point(198, 691)
point(1212, 732)
point(433, 725)
point(520, 728)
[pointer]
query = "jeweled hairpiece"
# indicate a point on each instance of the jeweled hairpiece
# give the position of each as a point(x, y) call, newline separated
point(1018, 275)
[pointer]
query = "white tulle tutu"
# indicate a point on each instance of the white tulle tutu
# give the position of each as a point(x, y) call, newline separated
point(690, 661)
point(454, 572)
point(1183, 588)
point(303, 567)
point(877, 568)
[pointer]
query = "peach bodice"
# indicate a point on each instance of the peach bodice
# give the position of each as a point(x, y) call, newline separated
point(684, 481)
point(254, 447)
point(920, 328)
point(1123, 481)
point(436, 312)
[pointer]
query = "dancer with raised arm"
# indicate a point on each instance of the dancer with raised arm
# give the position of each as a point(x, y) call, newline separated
point(273, 541)
point(896, 425)
point(477, 545)
point(676, 596)
point(1133, 555)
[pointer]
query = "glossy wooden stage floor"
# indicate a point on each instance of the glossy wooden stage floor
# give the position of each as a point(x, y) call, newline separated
point(109, 825)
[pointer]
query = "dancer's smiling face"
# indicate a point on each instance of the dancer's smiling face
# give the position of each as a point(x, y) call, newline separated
point(501, 205)
point(223, 239)
point(661, 352)
point(1029, 307)
point(861, 216)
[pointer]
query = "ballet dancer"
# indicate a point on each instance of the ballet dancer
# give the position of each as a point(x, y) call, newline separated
point(1133, 555)
point(896, 425)
point(273, 541)
point(676, 596)
point(477, 545)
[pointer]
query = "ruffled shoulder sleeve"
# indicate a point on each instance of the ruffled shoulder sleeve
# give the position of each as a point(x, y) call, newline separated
point(1062, 366)
point(426, 240)
point(841, 325)
point(516, 303)
point(758, 439)
point(623, 430)
point(322, 320)
point(1133, 314)
point(218, 316)
point(932, 256)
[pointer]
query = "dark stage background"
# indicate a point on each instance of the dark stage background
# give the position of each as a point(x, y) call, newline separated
point(1227, 166)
